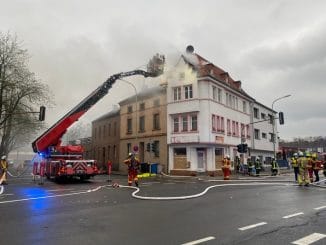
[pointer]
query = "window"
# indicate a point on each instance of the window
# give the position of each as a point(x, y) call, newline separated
point(248, 131)
point(115, 128)
point(156, 103)
point(222, 125)
point(214, 93)
point(233, 128)
point(263, 135)
point(237, 129)
point(157, 148)
point(115, 151)
point(188, 91)
point(194, 123)
point(156, 121)
point(244, 106)
point(109, 150)
point(142, 124)
point(256, 113)
point(184, 123)
point(109, 129)
point(219, 95)
point(176, 124)
point(129, 125)
point(95, 132)
point(129, 109)
point(128, 148)
point(272, 137)
point(263, 116)
point(213, 123)
point(227, 99)
point(270, 118)
point(180, 151)
point(257, 134)
point(243, 134)
point(228, 126)
point(142, 106)
point(177, 93)
point(104, 131)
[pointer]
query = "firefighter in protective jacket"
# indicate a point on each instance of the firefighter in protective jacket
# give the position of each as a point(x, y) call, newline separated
point(226, 167)
point(303, 163)
point(3, 168)
point(294, 163)
point(133, 166)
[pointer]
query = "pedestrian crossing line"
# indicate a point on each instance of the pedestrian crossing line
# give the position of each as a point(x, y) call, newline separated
point(292, 215)
point(314, 237)
point(322, 207)
point(199, 241)
point(252, 226)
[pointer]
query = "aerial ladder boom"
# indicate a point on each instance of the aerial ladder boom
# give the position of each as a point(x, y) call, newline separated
point(52, 137)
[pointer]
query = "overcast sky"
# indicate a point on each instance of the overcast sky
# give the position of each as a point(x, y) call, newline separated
point(274, 47)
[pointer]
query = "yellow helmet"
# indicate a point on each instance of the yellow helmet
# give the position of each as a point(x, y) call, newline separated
point(308, 154)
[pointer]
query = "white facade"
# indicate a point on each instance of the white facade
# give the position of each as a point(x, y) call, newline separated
point(207, 118)
point(263, 133)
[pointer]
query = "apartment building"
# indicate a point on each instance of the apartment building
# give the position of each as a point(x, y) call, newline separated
point(209, 114)
point(264, 134)
point(143, 122)
point(106, 139)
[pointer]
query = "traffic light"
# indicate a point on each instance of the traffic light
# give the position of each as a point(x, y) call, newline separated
point(240, 148)
point(148, 147)
point(244, 148)
point(41, 116)
point(281, 117)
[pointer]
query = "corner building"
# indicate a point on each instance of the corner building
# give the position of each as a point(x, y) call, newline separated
point(209, 114)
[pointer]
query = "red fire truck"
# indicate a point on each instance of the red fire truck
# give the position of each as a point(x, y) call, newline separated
point(67, 161)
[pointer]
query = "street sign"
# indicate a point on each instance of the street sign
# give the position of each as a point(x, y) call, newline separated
point(135, 148)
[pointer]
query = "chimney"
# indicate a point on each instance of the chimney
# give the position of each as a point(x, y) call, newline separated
point(238, 84)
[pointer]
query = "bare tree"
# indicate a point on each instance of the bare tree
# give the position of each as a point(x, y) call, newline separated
point(20, 95)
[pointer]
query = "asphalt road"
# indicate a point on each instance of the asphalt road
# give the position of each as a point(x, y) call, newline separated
point(255, 211)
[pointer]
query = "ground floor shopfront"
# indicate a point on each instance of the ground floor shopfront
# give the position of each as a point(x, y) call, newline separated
point(194, 159)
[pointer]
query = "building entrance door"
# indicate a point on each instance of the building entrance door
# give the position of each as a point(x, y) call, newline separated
point(201, 160)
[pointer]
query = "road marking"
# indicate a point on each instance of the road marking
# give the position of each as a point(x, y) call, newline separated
point(292, 215)
point(322, 207)
point(314, 237)
point(199, 241)
point(169, 183)
point(252, 226)
point(61, 190)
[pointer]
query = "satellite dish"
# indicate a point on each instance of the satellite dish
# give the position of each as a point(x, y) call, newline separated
point(190, 49)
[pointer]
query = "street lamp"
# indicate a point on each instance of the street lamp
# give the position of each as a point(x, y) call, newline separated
point(274, 138)
point(136, 136)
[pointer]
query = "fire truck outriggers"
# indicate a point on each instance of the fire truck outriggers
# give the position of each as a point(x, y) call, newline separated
point(60, 161)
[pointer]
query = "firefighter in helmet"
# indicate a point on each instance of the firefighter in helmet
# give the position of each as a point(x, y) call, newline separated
point(258, 166)
point(294, 163)
point(226, 167)
point(309, 166)
point(4, 169)
point(274, 167)
point(303, 169)
point(316, 166)
point(133, 165)
point(250, 166)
